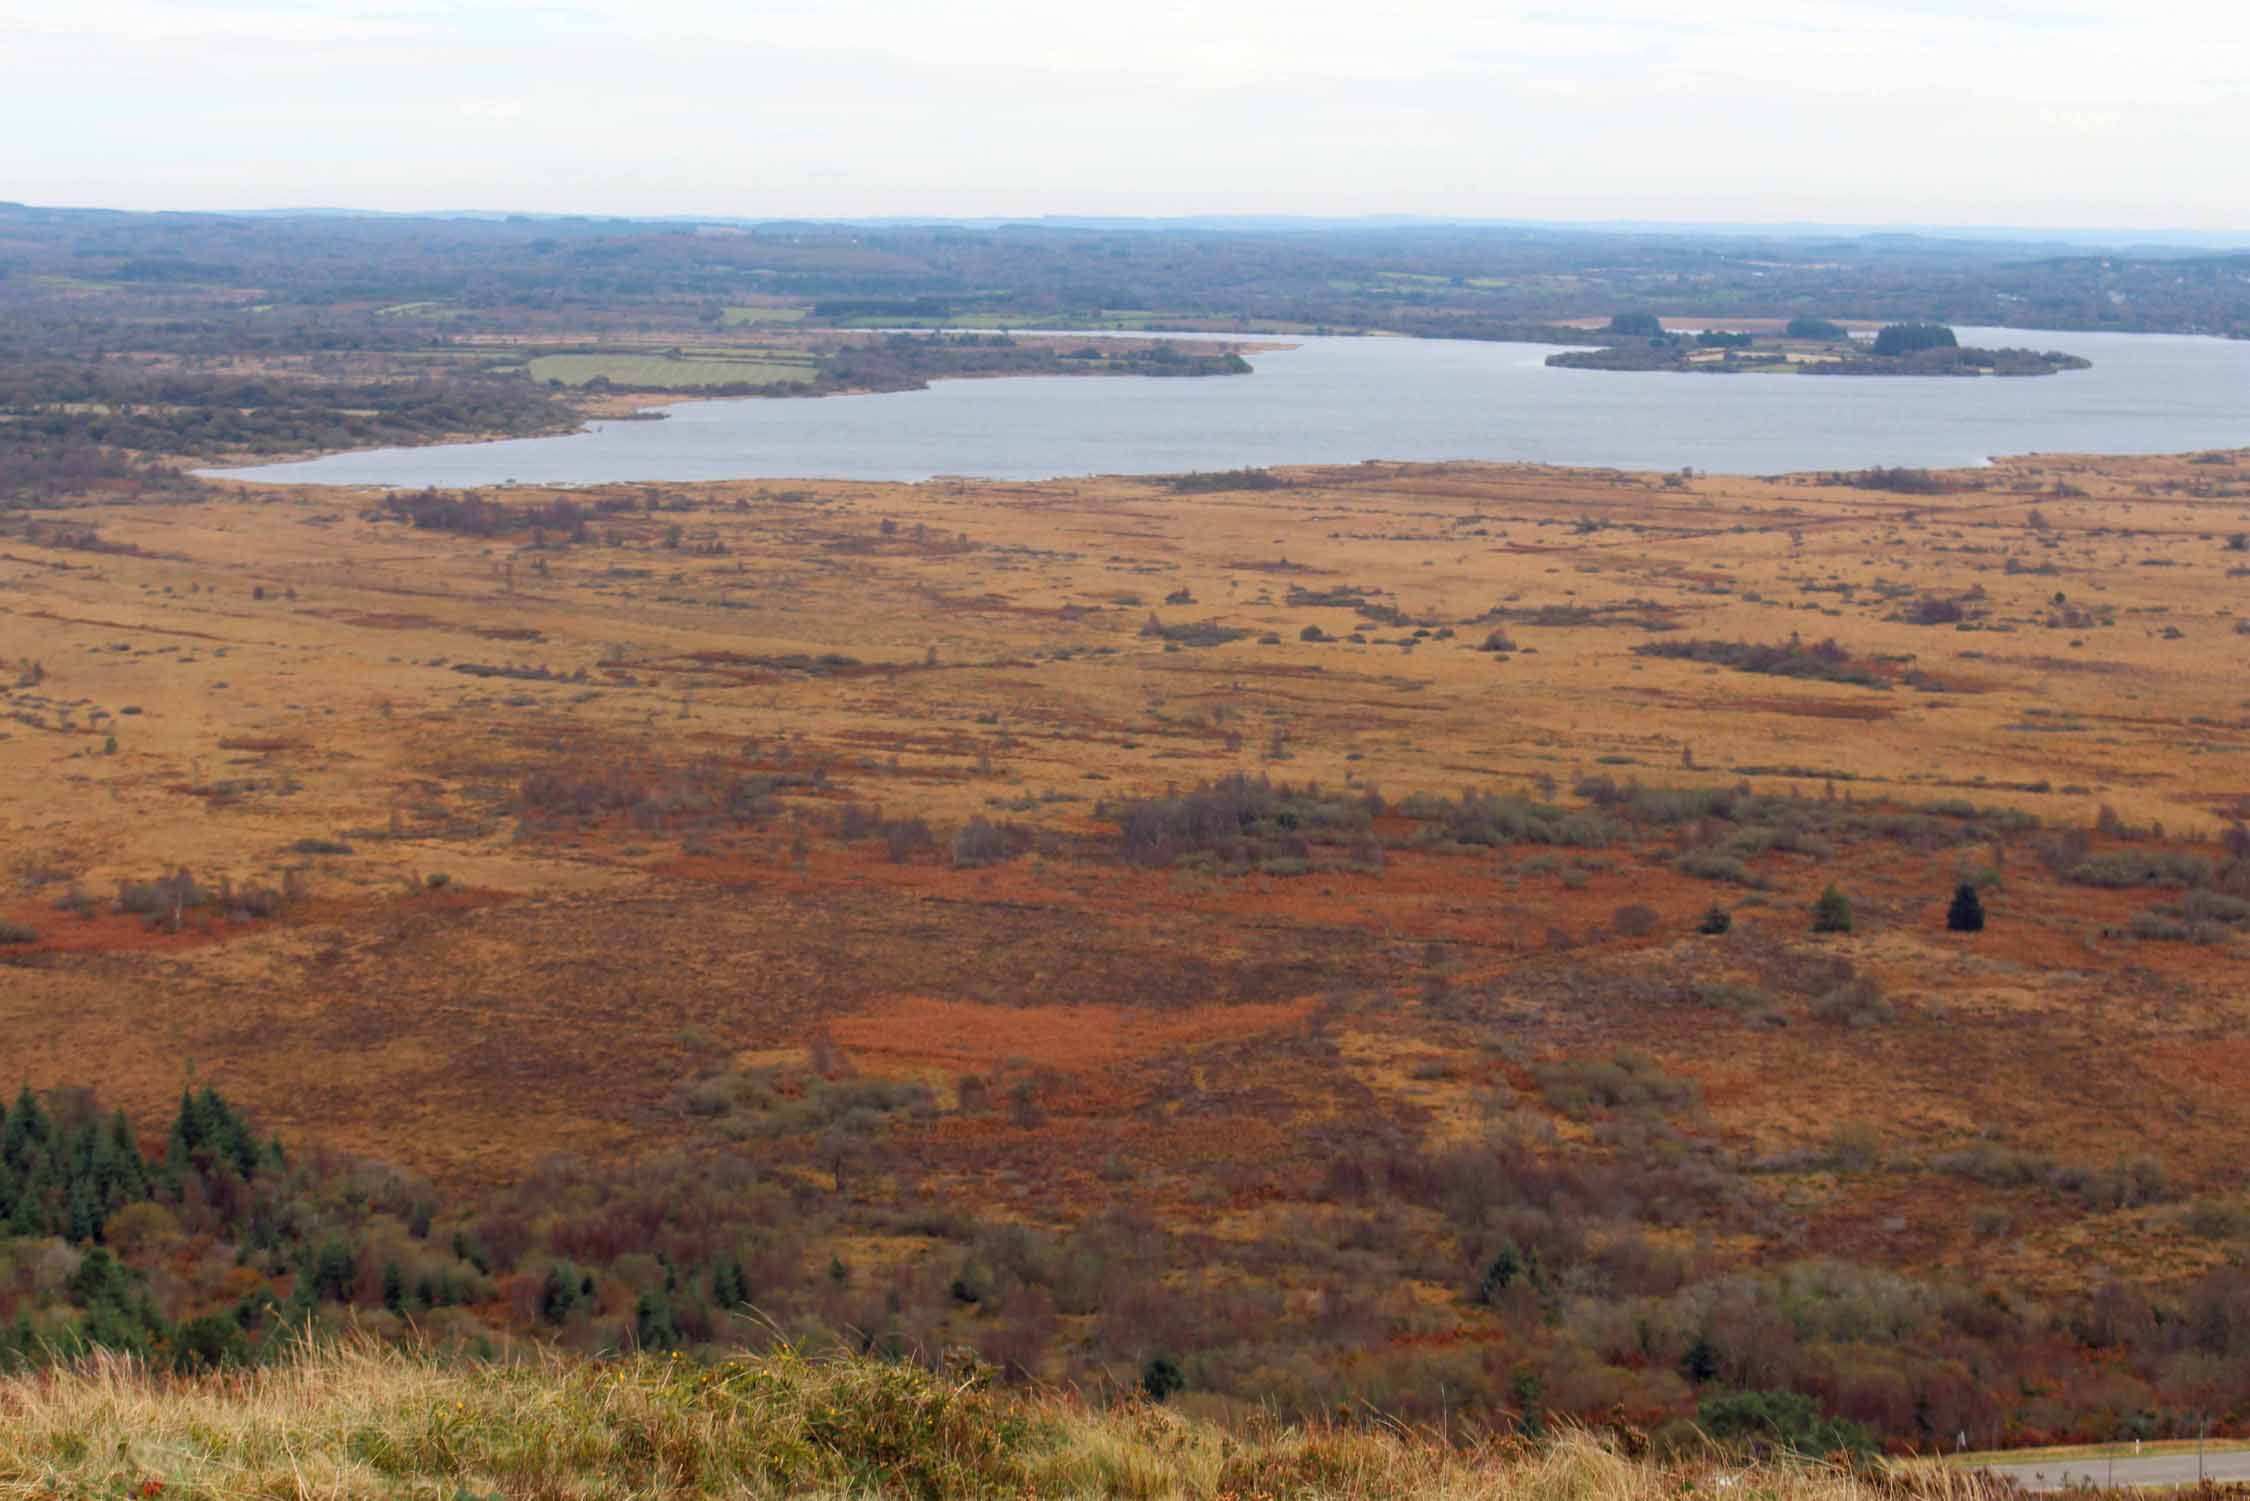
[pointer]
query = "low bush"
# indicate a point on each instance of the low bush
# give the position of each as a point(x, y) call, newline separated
point(1858, 1002)
point(1625, 1081)
point(1633, 921)
point(980, 842)
point(2118, 869)
point(1825, 660)
point(1713, 865)
point(1240, 820)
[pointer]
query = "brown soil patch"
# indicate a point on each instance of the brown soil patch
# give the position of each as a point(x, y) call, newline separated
point(917, 1033)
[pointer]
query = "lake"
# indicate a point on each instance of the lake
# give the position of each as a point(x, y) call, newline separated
point(1341, 400)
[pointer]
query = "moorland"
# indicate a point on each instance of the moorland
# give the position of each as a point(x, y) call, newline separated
point(1257, 921)
point(1475, 942)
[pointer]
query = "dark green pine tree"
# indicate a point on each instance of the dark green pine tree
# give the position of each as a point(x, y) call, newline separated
point(29, 1129)
point(27, 1218)
point(653, 1328)
point(82, 1212)
point(729, 1288)
point(1501, 1274)
point(1966, 915)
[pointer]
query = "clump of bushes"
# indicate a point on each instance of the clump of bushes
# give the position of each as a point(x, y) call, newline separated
point(1626, 1081)
point(1194, 633)
point(168, 899)
point(2117, 869)
point(2124, 1184)
point(1766, 1422)
point(1484, 818)
point(1824, 660)
point(1241, 820)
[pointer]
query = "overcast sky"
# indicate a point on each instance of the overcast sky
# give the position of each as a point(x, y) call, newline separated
point(1928, 111)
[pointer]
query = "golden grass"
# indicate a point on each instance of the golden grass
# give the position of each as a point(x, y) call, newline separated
point(364, 1420)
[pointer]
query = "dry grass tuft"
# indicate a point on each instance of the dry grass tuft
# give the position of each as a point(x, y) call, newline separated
point(365, 1420)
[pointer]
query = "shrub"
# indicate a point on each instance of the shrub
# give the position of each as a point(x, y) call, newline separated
point(1833, 912)
point(906, 837)
point(1712, 865)
point(1966, 915)
point(1715, 921)
point(980, 842)
point(1857, 1002)
point(16, 932)
point(1634, 921)
point(1625, 1081)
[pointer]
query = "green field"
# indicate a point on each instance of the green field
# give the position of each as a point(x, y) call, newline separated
point(737, 315)
point(668, 372)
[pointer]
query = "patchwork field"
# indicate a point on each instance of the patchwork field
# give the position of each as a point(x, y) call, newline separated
point(855, 829)
point(675, 371)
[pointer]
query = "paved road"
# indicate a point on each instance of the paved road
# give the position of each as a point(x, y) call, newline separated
point(2149, 1469)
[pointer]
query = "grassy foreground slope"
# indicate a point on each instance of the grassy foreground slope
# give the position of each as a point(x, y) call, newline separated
point(369, 1421)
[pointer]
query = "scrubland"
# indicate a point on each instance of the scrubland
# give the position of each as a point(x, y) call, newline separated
point(1327, 939)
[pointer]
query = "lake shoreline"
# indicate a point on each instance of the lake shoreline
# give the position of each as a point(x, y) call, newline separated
point(1345, 399)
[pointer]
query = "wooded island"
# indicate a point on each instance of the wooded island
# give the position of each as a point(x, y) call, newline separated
point(1807, 346)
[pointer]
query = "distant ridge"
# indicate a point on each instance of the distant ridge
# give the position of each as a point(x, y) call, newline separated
point(2158, 241)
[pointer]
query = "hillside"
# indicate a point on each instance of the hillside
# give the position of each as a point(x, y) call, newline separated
point(362, 1421)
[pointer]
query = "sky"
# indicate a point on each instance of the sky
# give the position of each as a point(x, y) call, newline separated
point(2038, 113)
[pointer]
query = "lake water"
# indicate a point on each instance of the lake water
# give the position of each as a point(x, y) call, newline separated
point(1340, 400)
